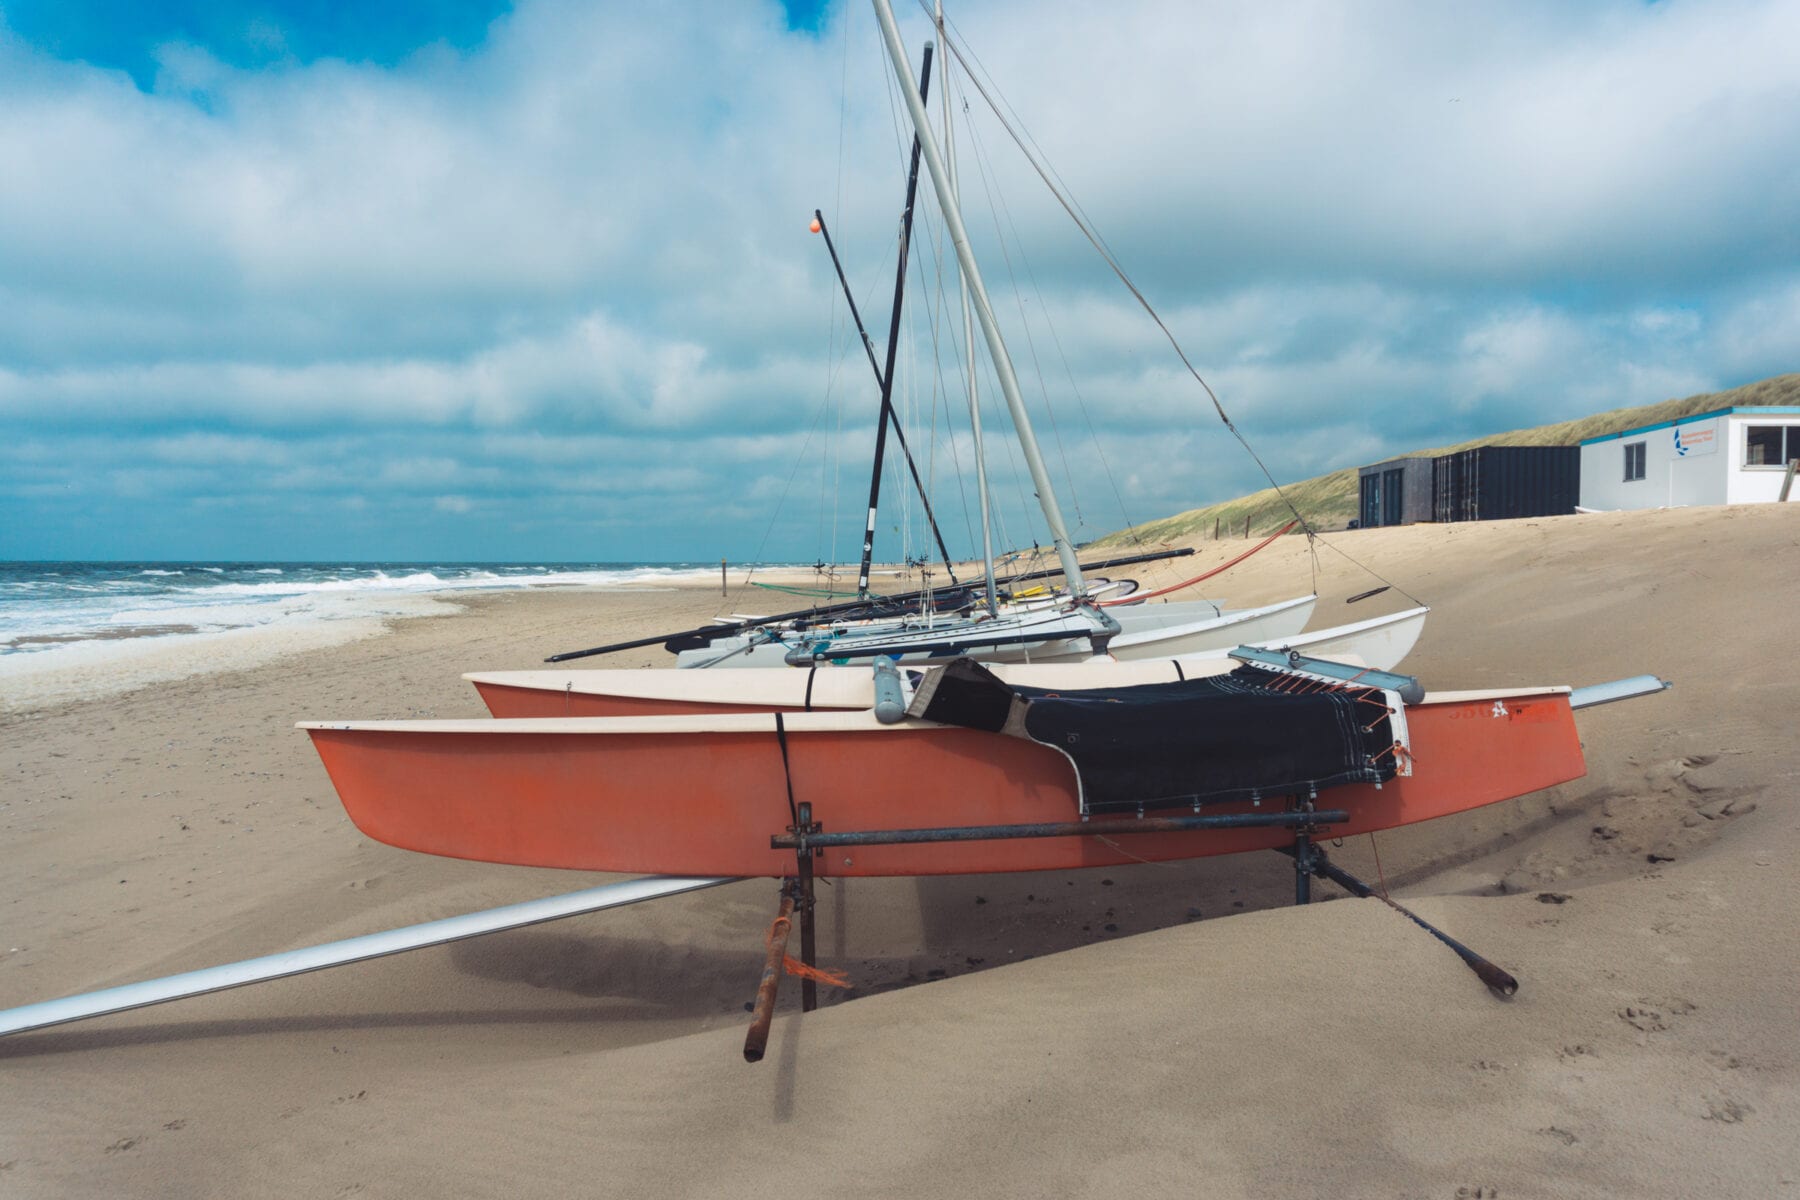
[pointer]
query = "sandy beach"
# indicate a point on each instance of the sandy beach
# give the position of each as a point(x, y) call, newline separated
point(1162, 1030)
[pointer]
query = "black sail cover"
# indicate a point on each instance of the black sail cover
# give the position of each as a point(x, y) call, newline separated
point(1251, 734)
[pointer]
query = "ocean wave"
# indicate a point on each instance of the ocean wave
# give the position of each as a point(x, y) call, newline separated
point(379, 581)
point(45, 613)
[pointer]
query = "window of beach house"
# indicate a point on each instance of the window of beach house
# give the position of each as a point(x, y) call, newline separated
point(1634, 461)
point(1771, 445)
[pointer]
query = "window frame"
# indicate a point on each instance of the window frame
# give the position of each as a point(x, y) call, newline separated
point(1790, 440)
point(1639, 452)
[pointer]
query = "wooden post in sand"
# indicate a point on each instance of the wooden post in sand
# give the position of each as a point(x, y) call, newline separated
point(1246, 526)
point(721, 577)
point(1215, 529)
point(1787, 484)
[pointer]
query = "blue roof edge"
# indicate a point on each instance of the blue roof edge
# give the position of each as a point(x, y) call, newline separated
point(1770, 410)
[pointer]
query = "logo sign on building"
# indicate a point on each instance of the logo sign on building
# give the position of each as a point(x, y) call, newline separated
point(1696, 439)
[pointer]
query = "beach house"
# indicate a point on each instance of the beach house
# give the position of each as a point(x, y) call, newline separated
point(1727, 456)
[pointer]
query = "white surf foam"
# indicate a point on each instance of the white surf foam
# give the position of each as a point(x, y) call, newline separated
point(111, 644)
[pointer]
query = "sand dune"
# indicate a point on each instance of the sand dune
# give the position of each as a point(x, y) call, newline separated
point(1160, 1030)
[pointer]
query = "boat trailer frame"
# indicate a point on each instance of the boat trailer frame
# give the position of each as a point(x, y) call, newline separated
point(808, 839)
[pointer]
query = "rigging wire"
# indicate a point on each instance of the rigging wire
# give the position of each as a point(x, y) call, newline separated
point(943, 330)
point(1000, 208)
point(929, 310)
point(993, 418)
point(826, 406)
point(1035, 157)
point(1011, 476)
point(821, 543)
point(996, 205)
point(934, 240)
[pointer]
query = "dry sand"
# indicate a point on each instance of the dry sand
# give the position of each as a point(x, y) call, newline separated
point(1157, 1031)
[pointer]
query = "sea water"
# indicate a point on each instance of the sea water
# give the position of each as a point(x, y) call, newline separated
point(70, 629)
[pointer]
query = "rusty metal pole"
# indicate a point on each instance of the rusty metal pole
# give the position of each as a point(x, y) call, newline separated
point(757, 1040)
point(809, 987)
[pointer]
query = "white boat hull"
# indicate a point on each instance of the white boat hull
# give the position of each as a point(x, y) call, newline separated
point(1380, 643)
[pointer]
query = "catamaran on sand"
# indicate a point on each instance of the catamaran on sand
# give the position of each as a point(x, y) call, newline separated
point(887, 769)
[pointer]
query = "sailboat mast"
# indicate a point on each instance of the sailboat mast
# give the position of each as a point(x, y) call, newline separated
point(959, 237)
point(885, 377)
point(968, 321)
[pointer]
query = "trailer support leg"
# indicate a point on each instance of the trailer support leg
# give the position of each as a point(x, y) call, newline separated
point(804, 900)
point(1304, 854)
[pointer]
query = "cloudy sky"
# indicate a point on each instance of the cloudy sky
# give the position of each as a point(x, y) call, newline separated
point(534, 281)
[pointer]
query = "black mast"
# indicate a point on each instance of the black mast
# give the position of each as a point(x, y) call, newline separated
point(887, 374)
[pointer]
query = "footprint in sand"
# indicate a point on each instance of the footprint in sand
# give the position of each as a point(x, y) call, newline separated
point(1725, 1110)
point(1652, 1016)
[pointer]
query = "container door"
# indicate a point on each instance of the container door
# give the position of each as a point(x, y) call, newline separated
point(1370, 514)
point(1393, 491)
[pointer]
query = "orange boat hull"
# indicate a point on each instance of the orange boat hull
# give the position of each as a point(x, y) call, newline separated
point(702, 796)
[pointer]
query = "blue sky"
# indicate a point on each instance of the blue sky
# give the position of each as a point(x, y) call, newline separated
point(470, 280)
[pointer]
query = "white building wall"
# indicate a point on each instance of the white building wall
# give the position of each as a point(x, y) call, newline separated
point(1756, 485)
point(1695, 462)
point(1682, 465)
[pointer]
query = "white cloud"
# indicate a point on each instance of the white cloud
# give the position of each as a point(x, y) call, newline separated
point(573, 263)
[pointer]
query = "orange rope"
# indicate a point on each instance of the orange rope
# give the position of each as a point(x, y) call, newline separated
point(794, 966)
point(1176, 587)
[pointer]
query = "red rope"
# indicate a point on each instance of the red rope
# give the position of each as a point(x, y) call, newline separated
point(1176, 587)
